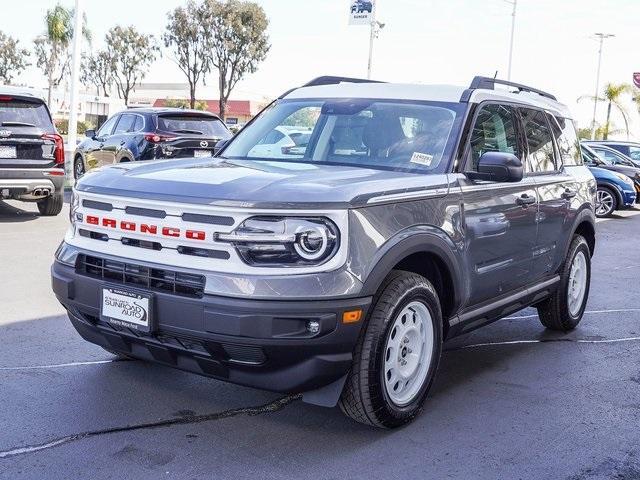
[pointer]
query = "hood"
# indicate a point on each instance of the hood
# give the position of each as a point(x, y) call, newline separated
point(605, 174)
point(257, 184)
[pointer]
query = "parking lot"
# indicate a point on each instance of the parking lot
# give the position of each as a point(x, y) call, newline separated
point(510, 401)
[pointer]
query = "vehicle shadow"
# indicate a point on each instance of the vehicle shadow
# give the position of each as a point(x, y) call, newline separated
point(16, 212)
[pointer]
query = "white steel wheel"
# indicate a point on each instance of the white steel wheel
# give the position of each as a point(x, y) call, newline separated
point(604, 202)
point(408, 353)
point(577, 283)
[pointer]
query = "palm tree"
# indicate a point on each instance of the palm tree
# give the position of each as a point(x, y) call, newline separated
point(611, 95)
point(52, 48)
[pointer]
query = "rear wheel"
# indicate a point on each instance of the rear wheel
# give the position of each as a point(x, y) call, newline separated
point(606, 202)
point(52, 205)
point(564, 309)
point(397, 355)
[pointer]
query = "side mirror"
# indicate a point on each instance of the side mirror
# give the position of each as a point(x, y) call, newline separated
point(90, 133)
point(498, 167)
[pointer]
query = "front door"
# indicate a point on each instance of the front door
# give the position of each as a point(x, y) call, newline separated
point(499, 218)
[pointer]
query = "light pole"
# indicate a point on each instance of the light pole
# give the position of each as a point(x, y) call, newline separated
point(75, 74)
point(601, 37)
point(376, 26)
point(514, 3)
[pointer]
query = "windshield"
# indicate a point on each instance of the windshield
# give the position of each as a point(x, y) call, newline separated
point(193, 125)
point(396, 135)
point(22, 113)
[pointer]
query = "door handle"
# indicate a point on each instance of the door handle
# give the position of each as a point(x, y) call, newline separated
point(525, 200)
point(569, 194)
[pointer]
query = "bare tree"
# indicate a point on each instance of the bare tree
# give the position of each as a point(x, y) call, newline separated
point(97, 70)
point(191, 40)
point(132, 54)
point(13, 59)
point(240, 42)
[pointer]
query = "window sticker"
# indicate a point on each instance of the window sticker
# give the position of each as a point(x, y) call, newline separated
point(422, 159)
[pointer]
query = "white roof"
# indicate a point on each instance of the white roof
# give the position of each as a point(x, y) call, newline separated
point(24, 91)
point(434, 93)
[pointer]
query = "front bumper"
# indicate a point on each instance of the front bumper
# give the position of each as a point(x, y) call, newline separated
point(629, 198)
point(258, 343)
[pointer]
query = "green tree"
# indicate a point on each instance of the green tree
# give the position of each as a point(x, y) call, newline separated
point(97, 70)
point(611, 95)
point(13, 59)
point(132, 54)
point(239, 42)
point(190, 39)
point(184, 103)
point(52, 48)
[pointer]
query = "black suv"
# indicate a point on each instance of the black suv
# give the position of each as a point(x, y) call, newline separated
point(31, 152)
point(149, 134)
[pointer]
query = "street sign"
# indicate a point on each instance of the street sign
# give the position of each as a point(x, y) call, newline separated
point(361, 12)
point(636, 79)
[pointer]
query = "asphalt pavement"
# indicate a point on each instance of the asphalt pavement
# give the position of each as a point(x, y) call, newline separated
point(511, 400)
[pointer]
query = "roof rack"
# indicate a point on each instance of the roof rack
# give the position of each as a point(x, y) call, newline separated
point(489, 83)
point(331, 80)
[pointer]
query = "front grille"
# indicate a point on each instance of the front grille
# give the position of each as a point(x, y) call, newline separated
point(169, 281)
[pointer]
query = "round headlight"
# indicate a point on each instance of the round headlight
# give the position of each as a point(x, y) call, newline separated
point(312, 243)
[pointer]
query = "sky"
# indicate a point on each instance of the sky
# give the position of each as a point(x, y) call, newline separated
point(423, 41)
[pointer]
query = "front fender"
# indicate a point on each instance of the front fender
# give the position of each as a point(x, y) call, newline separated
point(418, 239)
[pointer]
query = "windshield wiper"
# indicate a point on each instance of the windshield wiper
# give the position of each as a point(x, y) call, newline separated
point(189, 131)
point(17, 124)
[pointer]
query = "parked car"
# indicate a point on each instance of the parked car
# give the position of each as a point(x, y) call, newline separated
point(150, 134)
point(361, 6)
point(338, 272)
point(610, 159)
point(629, 149)
point(31, 152)
point(281, 140)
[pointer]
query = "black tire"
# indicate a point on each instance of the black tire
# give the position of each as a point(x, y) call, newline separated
point(78, 168)
point(365, 398)
point(614, 202)
point(554, 312)
point(52, 205)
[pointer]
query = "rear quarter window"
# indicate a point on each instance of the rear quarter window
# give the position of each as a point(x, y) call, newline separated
point(17, 112)
point(568, 144)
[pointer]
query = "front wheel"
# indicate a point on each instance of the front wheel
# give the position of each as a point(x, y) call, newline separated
point(606, 202)
point(78, 168)
point(564, 309)
point(397, 355)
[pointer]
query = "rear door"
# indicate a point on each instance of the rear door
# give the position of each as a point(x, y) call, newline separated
point(25, 130)
point(557, 189)
point(116, 143)
point(499, 217)
point(195, 134)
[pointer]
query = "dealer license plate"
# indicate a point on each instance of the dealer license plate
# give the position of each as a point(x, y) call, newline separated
point(202, 153)
point(126, 308)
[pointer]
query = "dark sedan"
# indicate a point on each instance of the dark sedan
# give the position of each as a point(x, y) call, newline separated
point(150, 134)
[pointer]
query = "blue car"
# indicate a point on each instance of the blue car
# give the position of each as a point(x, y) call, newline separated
point(615, 191)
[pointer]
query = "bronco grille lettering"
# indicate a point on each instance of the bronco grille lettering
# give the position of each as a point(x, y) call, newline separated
point(129, 226)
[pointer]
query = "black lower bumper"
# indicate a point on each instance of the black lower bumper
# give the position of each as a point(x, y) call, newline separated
point(258, 343)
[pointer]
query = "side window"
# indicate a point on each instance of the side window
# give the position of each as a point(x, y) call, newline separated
point(566, 139)
point(107, 127)
point(139, 124)
point(494, 130)
point(539, 139)
point(125, 124)
point(634, 153)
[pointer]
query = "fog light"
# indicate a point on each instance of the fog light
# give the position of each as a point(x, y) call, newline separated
point(313, 326)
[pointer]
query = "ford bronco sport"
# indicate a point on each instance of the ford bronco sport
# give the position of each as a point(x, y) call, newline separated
point(414, 214)
point(31, 152)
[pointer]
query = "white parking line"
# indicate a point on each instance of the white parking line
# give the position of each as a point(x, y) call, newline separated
point(588, 312)
point(60, 365)
point(551, 340)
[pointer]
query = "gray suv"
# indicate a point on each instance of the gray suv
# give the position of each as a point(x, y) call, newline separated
point(337, 269)
point(31, 152)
